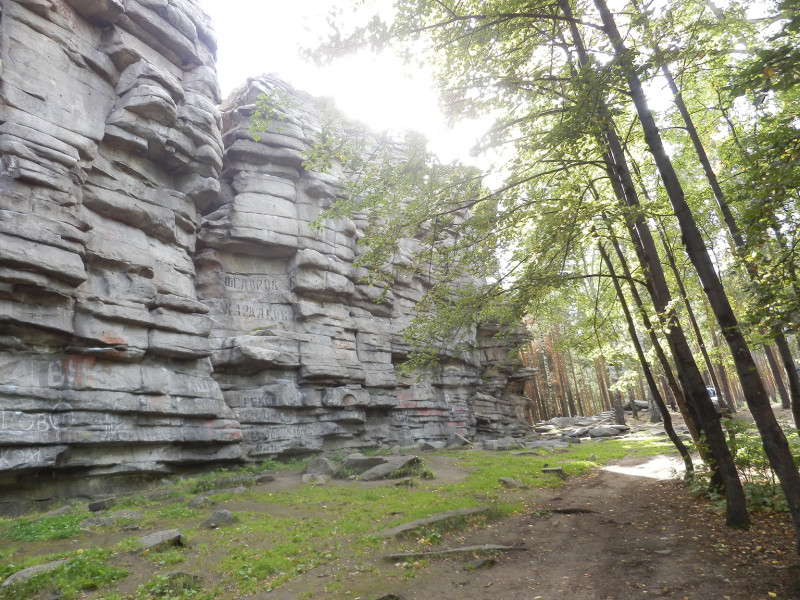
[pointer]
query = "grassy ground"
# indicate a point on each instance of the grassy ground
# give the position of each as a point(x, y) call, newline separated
point(281, 529)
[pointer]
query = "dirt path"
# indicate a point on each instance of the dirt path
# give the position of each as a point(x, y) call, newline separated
point(628, 531)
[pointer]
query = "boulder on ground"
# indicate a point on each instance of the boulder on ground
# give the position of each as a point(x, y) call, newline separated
point(319, 466)
point(385, 470)
point(358, 463)
point(201, 502)
point(457, 441)
point(162, 539)
point(510, 482)
point(104, 504)
point(603, 431)
point(315, 479)
point(218, 518)
point(25, 574)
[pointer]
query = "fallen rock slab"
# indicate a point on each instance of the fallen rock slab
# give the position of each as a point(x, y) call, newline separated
point(161, 539)
point(314, 479)
point(201, 502)
point(358, 463)
point(451, 551)
point(319, 466)
point(510, 482)
point(236, 490)
point(603, 431)
point(265, 477)
point(555, 471)
point(438, 518)
point(26, 574)
point(119, 515)
point(384, 470)
point(457, 441)
point(103, 504)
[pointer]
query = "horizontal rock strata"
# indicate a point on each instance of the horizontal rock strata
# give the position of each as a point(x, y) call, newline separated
point(110, 139)
point(164, 302)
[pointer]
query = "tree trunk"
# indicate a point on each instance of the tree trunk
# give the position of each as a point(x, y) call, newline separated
point(578, 402)
point(722, 372)
point(562, 373)
point(700, 406)
point(792, 376)
point(775, 443)
point(601, 384)
point(668, 393)
point(776, 376)
point(648, 374)
point(677, 393)
point(690, 314)
point(616, 398)
point(589, 398)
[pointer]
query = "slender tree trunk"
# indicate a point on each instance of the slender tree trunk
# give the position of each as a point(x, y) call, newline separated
point(616, 398)
point(562, 372)
point(677, 393)
point(773, 438)
point(578, 402)
point(668, 393)
point(601, 384)
point(700, 406)
point(648, 374)
point(722, 372)
point(776, 376)
point(690, 314)
point(589, 398)
point(792, 376)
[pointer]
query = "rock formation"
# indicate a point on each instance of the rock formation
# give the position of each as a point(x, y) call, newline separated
point(305, 355)
point(163, 301)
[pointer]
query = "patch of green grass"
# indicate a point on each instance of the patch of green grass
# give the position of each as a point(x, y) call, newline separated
point(174, 512)
point(263, 570)
point(298, 528)
point(166, 557)
point(174, 586)
point(36, 529)
point(80, 572)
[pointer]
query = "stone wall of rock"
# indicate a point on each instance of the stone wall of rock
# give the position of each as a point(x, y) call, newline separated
point(163, 300)
point(304, 354)
point(110, 139)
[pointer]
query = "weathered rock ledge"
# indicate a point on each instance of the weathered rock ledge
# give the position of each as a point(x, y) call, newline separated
point(164, 303)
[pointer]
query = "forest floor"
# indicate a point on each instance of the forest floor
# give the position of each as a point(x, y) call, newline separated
point(642, 535)
point(630, 530)
point(626, 530)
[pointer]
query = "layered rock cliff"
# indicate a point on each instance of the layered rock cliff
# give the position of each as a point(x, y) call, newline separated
point(163, 300)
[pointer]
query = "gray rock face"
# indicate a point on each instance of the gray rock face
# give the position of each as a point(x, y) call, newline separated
point(305, 356)
point(163, 299)
point(109, 141)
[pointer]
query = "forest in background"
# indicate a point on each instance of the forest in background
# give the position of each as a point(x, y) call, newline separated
point(637, 206)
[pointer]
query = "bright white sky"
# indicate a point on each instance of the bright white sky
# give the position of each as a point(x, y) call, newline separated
point(264, 36)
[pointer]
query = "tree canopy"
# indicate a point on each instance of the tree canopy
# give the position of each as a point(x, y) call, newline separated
point(646, 188)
